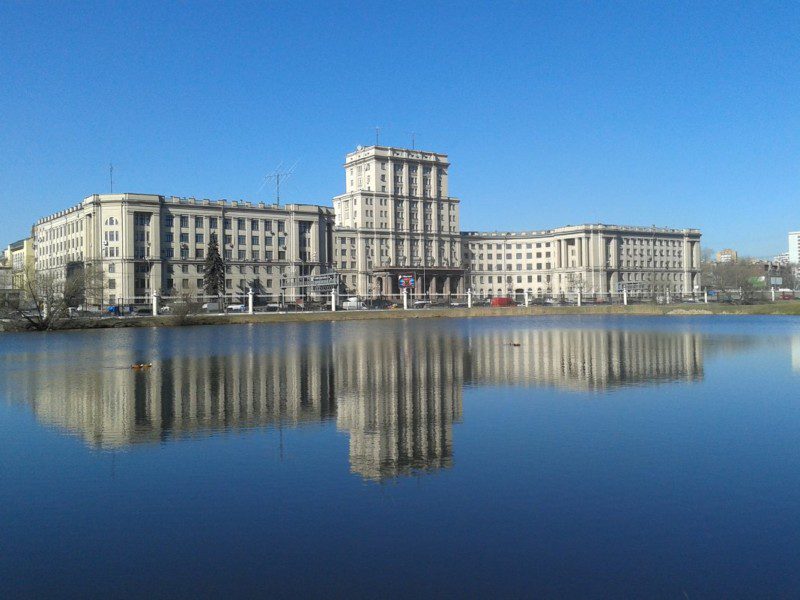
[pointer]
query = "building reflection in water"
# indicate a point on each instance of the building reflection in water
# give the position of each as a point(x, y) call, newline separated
point(396, 391)
point(584, 358)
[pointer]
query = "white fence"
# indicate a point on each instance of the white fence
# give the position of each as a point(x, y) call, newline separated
point(253, 303)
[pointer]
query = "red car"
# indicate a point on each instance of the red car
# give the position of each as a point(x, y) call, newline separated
point(503, 302)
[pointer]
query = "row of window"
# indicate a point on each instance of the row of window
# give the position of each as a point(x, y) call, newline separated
point(199, 222)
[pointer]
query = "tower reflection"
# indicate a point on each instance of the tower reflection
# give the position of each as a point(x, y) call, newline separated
point(395, 390)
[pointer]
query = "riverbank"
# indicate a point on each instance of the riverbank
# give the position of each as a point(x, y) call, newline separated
point(780, 308)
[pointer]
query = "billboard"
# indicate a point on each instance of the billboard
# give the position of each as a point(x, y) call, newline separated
point(405, 281)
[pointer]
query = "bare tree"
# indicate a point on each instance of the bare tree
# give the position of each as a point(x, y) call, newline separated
point(48, 298)
point(742, 277)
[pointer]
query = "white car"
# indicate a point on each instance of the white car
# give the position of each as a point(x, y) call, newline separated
point(237, 308)
point(353, 303)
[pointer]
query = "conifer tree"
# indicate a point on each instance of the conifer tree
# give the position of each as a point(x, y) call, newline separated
point(214, 270)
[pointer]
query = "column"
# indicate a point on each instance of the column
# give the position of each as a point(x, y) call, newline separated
point(585, 249)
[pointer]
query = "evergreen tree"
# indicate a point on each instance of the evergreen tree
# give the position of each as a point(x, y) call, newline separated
point(214, 270)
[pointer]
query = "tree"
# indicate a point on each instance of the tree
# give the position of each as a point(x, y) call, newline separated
point(214, 270)
point(740, 277)
point(48, 298)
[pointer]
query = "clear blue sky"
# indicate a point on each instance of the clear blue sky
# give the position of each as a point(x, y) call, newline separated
point(552, 113)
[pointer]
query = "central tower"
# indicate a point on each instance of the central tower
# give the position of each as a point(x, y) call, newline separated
point(397, 218)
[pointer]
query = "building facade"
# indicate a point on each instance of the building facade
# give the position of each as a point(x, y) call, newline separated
point(20, 258)
point(794, 247)
point(595, 259)
point(138, 244)
point(396, 218)
point(727, 255)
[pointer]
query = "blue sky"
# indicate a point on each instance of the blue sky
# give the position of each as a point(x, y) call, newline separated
point(552, 113)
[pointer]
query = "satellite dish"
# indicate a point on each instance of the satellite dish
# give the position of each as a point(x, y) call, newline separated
point(359, 148)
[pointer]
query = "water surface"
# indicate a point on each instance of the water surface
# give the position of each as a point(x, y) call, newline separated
point(589, 457)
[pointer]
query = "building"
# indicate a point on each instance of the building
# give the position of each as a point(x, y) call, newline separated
point(141, 243)
point(20, 257)
point(586, 258)
point(8, 295)
point(794, 247)
point(782, 259)
point(397, 218)
point(727, 255)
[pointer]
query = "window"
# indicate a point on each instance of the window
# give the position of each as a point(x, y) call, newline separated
point(227, 223)
point(241, 240)
point(240, 224)
point(212, 222)
point(198, 238)
point(184, 238)
point(198, 222)
point(254, 224)
point(184, 221)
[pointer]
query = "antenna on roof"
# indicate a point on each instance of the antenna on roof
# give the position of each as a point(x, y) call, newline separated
point(413, 139)
point(111, 175)
point(377, 136)
point(277, 175)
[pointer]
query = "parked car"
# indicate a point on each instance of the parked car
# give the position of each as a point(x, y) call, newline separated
point(503, 302)
point(379, 304)
point(237, 308)
point(211, 306)
point(353, 303)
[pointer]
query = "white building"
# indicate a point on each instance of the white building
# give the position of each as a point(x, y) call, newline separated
point(585, 258)
point(141, 243)
point(794, 247)
point(397, 218)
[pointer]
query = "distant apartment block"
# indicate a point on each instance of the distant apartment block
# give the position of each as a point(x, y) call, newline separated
point(727, 256)
point(782, 259)
point(794, 247)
